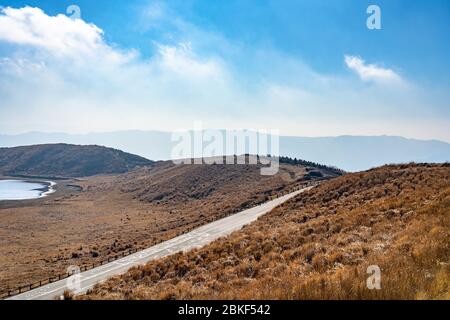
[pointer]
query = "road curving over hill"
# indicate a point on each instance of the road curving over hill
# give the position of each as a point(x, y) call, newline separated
point(194, 239)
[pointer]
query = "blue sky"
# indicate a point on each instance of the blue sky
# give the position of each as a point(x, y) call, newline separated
point(308, 68)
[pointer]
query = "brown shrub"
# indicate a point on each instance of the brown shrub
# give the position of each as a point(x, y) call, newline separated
point(396, 217)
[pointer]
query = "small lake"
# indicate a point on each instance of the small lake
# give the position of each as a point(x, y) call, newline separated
point(23, 190)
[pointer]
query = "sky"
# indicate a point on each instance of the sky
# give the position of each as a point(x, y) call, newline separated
point(306, 68)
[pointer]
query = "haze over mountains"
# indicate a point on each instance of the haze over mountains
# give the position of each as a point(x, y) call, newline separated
point(351, 153)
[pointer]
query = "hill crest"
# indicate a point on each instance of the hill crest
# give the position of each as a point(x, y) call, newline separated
point(66, 160)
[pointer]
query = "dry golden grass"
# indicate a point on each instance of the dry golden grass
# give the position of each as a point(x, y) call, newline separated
point(318, 246)
point(111, 214)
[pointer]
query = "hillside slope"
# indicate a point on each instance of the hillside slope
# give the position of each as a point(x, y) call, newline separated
point(64, 160)
point(319, 245)
point(218, 185)
point(95, 218)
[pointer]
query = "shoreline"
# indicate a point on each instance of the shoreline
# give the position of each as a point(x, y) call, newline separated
point(44, 191)
point(49, 189)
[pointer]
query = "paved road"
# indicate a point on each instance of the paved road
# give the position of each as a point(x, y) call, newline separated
point(194, 239)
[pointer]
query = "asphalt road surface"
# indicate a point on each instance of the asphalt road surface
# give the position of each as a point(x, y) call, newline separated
point(199, 237)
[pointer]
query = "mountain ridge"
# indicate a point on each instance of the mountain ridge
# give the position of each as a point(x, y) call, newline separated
point(350, 153)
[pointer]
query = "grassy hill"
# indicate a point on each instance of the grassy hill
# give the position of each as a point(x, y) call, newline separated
point(65, 160)
point(219, 184)
point(96, 218)
point(319, 245)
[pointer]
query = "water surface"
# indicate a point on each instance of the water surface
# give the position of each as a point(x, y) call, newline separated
point(23, 190)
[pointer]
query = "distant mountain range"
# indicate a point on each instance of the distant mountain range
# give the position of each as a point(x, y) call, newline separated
point(351, 153)
point(64, 160)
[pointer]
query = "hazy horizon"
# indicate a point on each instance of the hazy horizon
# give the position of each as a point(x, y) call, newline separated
point(351, 153)
point(170, 132)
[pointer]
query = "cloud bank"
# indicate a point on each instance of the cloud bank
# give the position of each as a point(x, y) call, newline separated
point(60, 74)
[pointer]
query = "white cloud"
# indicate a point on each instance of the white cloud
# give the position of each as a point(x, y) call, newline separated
point(56, 42)
point(59, 74)
point(64, 76)
point(182, 61)
point(371, 72)
point(59, 36)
